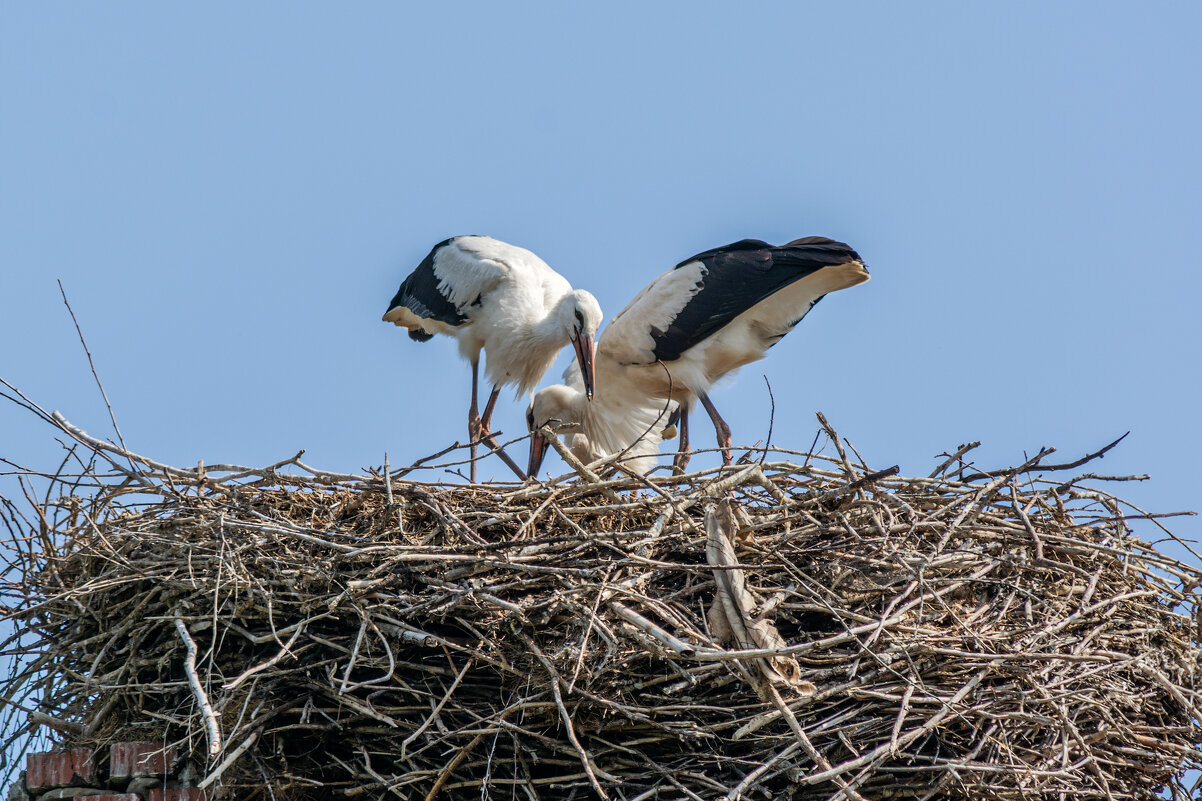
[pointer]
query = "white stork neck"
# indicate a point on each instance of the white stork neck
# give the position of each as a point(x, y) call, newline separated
point(554, 330)
point(548, 334)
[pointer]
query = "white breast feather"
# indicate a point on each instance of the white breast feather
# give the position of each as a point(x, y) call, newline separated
point(518, 291)
point(620, 414)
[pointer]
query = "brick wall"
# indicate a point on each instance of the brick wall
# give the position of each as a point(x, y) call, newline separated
point(134, 771)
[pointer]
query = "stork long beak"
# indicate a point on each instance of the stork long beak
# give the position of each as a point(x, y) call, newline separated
point(538, 449)
point(585, 351)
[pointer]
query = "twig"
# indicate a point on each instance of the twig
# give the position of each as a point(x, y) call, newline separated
point(65, 726)
point(1034, 463)
point(834, 438)
point(953, 457)
point(434, 712)
point(202, 700)
point(771, 419)
point(92, 365)
point(230, 759)
point(285, 650)
point(585, 759)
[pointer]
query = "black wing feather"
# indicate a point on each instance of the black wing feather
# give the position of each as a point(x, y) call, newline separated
point(420, 294)
point(738, 276)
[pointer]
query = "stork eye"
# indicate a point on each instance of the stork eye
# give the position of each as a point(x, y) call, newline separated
point(580, 318)
point(530, 420)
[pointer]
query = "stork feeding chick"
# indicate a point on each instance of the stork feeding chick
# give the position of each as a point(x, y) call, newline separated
point(506, 301)
point(703, 319)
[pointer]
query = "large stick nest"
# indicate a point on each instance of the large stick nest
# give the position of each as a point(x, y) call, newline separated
point(771, 630)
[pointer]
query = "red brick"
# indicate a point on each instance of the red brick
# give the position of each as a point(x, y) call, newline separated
point(59, 768)
point(190, 794)
point(140, 759)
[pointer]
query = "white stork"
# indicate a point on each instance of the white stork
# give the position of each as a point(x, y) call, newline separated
point(502, 299)
point(705, 318)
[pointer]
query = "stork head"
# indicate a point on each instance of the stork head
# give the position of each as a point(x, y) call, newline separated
point(559, 407)
point(580, 315)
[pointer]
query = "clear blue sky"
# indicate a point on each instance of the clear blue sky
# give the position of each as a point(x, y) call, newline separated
point(232, 192)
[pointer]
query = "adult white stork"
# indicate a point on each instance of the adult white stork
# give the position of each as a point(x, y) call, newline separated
point(506, 301)
point(705, 318)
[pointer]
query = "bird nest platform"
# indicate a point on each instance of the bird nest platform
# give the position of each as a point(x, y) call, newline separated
point(795, 626)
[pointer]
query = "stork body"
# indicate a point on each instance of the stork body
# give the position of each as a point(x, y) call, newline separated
point(615, 423)
point(707, 317)
point(503, 300)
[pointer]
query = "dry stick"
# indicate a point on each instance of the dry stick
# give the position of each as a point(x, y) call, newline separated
point(491, 443)
point(100, 445)
point(66, 726)
point(350, 663)
point(92, 364)
point(810, 453)
point(387, 479)
point(213, 728)
point(570, 459)
point(834, 438)
point(236, 472)
point(751, 777)
point(647, 627)
point(1033, 463)
point(771, 420)
point(24, 402)
point(450, 767)
point(585, 759)
point(768, 484)
point(229, 760)
point(882, 751)
point(902, 710)
point(592, 620)
point(850, 487)
point(404, 471)
point(808, 746)
point(387, 674)
point(434, 713)
point(1153, 517)
point(946, 463)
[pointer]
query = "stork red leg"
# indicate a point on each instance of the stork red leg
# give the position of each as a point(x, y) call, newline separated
point(720, 427)
point(682, 451)
point(488, 407)
point(488, 439)
point(473, 423)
